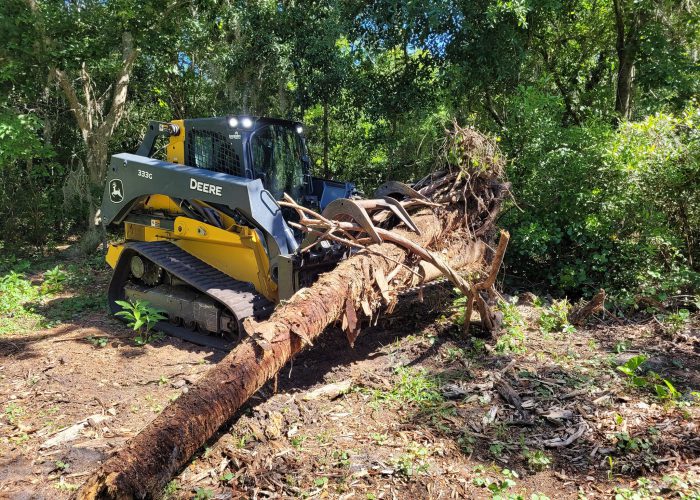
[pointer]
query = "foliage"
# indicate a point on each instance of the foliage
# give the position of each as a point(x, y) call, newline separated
point(512, 339)
point(499, 487)
point(537, 460)
point(54, 280)
point(413, 461)
point(605, 207)
point(662, 387)
point(676, 320)
point(15, 292)
point(141, 317)
point(602, 201)
point(555, 318)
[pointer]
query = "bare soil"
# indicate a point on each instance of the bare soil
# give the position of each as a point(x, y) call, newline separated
point(422, 411)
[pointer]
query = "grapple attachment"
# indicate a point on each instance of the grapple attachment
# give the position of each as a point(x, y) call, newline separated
point(390, 201)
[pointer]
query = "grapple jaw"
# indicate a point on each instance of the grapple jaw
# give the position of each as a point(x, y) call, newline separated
point(385, 210)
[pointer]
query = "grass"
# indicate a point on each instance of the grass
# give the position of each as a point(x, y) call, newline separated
point(42, 294)
point(413, 386)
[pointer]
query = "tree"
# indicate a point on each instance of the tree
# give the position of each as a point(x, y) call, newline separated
point(633, 22)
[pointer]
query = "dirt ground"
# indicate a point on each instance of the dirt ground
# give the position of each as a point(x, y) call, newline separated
point(416, 409)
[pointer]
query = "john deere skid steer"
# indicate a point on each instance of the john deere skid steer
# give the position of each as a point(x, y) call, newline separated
point(205, 238)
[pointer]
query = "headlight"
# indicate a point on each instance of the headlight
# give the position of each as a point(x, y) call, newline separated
point(247, 122)
point(233, 122)
point(300, 129)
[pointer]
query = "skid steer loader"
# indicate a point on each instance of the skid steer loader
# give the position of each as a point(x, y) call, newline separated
point(205, 239)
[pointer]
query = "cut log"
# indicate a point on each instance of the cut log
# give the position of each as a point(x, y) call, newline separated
point(579, 315)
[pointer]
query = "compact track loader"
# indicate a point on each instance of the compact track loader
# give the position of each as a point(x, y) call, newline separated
point(205, 238)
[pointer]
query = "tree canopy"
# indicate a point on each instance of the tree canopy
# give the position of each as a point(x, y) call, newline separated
point(594, 103)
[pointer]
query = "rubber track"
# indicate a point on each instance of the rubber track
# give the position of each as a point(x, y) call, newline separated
point(239, 297)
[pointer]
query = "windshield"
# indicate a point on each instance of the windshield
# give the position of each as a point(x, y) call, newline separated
point(277, 159)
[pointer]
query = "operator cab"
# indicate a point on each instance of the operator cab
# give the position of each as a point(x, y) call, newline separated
point(269, 149)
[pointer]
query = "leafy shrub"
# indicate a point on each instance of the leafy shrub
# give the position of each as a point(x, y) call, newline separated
point(15, 292)
point(555, 318)
point(662, 387)
point(31, 194)
point(601, 207)
point(513, 337)
point(54, 279)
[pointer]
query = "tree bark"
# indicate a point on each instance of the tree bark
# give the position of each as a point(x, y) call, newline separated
point(150, 459)
point(627, 47)
point(95, 127)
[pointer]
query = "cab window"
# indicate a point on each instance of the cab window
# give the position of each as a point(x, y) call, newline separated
point(277, 160)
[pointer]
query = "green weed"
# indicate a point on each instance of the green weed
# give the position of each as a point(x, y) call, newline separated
point(66, 309)
point(675, 322)
point(13, 412)
point(15, 292)
point(225, 478)
point(453, 354)
point(297, 441)
point(62, 485)
point(141, 317)
point(378, 438)
point(537, 460)
point(62, 466)
point(499, 488)
point(496, 449)
point(203, 494)
point(342, 458)
point(513, 337)
point(171, 489)
point(555, 318)
point(54, 280)
point(662, 387)
point(98, 341)
point(466, 443)
point(413, 461)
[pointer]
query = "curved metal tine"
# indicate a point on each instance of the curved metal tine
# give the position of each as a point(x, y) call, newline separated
point(395, 206)
point(396, 187)
point(358, 214)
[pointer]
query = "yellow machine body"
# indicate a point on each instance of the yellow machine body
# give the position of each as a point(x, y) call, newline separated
point(236, 250)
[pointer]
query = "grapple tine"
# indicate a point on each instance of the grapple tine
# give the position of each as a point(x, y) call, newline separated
point(391, 188)
point(395, 206)
point(343, 207)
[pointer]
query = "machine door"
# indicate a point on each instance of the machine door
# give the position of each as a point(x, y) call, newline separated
point(211, 150)
point(278, 159)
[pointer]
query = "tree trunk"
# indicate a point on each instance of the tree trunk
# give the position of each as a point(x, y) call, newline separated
point(97, 158)
point(147, 463)
point(625, 77)
point(326, 141)
point(627, 46)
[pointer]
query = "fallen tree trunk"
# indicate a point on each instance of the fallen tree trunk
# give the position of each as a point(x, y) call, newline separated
point(147, 463)
point(364, 283)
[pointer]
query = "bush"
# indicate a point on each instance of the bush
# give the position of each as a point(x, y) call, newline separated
point(30, 182)
point(618, 209)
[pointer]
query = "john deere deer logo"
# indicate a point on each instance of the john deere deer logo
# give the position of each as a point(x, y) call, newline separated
point(116, 191)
